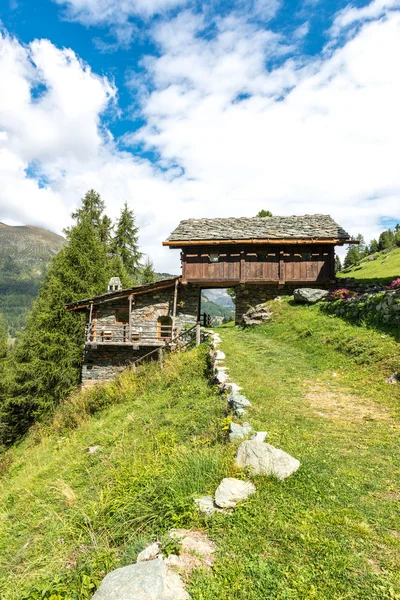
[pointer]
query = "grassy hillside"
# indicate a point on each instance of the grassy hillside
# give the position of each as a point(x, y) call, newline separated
point(331, 531)
point(381, 267)
point(24, 255)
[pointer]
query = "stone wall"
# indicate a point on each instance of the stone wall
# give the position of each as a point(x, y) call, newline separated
point(147, 309)
point(248, 296)
point(104, 362)
point(382, 307)
point(188, 307)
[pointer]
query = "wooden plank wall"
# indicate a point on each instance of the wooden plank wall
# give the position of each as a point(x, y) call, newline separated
point(260, 263)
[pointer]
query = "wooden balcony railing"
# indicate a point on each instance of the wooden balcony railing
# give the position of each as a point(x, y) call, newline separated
point(121, 334)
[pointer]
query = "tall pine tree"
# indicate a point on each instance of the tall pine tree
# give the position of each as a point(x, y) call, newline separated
point(47, 360)
point(125, 241)
point(148, 273)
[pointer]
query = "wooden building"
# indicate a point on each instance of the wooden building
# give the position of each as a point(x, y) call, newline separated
point(123, 325)
point(260, 257)
point(297, 250)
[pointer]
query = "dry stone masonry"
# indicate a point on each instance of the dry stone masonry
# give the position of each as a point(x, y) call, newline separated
point(382, 307)
point(253, 455)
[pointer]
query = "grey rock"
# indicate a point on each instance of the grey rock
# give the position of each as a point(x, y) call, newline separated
point(219, 355)
point(231, 387)
point(309, 295)
point(93, 449)
point(149, 553)
point(257, 315)
point(231, 491)
point(239, 412)
point(239, 432)
point(151, 580)
point(238, 401)
point(206, 505)
point(259, 436)
point(395, 378)
point(221, 377)
point(264, 459)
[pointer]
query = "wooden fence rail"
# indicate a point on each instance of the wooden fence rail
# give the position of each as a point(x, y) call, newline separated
point(194, 335)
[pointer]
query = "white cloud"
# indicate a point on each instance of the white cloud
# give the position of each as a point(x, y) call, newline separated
point(233, 134)
point(352, 16)
point(316, 136)
point(105, 12)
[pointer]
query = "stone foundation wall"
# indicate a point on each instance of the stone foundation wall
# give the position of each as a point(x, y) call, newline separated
point(188, 306)
point(382, 307)
point(104, 362)
point(248, 296)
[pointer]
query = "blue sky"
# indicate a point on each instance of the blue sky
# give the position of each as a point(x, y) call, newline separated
point(188, 109)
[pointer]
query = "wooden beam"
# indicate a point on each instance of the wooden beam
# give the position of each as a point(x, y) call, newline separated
point(281, 268)
point(130, 317)
point(242, 267)
point(174, 308)
point(281, 241)
point(90, 322)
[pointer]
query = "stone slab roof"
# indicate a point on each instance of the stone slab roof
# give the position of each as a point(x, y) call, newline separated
point(280, 228)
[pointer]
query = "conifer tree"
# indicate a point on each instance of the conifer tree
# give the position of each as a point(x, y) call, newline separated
point(373, 247)
point(47, 360)
point(264, 213)
point(386, 240)
point(338, 264)
point(3, 339)
point(148, 273)
point(92, 208)
point(352, 257)
point(125, 241)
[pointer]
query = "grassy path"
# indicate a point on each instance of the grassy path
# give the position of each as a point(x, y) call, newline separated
point(332, 531)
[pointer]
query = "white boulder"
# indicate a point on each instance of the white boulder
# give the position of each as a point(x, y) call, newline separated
point(264, 459)
point(150, 580)
point(231, 491)
point(149, 553)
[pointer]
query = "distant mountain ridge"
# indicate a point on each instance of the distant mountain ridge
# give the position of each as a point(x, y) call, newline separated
point(27, 244)
point(25, 252)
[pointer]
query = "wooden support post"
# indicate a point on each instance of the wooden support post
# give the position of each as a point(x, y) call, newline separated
point(242, 267)
point(90, 322)
point(160, 358)
point(174, 309)
point(198, 332)
point(282, 274)
point(130, 319)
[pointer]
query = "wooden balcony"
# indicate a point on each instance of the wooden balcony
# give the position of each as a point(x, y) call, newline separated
point(121, 334)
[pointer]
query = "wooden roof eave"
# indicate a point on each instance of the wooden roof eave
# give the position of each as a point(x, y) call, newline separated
point(98, 300)
point(184, 243)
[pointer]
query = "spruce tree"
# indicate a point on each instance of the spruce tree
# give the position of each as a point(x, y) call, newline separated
point(373, 247)
point(125, 241)
point(92, 208)
point(386, 240)
point(47, 360)
point(352, 257)
point(338, 264)
point(3, 338)
point(148, 273)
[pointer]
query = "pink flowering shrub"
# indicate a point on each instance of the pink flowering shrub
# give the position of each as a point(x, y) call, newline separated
point(342, 294)
point(395, 285)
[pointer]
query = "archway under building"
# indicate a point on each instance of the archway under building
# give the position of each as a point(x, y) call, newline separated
point(217, 306)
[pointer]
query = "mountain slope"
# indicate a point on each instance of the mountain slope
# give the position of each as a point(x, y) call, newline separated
point(381, 267)
point(86, 493)
point(25, 252)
